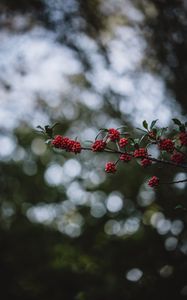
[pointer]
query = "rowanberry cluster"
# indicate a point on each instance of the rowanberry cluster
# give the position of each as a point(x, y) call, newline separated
point(167, 145)
point(66, 144)
point(154, 181)
point(177, 158)
point(183, 138)
point(126, 148)
point(110, 167)
point(113, 134)
point(125, 157)
point(98, 146)
point(145, 162)
point(123, 142)
point(140, 153)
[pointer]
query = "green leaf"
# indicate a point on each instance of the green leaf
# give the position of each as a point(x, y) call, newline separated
point(153, 123)
point(182, 128)
point(177, 122)
point(103, 129)
point(145, 124)
point(48, 141)
point(179, 206)
point(143, 136)
point(40, 127)
point(141, 129)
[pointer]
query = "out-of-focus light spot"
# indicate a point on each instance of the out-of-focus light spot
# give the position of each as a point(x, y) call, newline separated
point(183, 247)
point(180, 176)
point(70, 224)
point(19, 154)
point(112, 227)
point(88, 134)
point(7, 210)
point(42, 213)
point(29, 167)
point(134, 275)
point(7, 148)
point(166, 271)
point(114, 203)
point(98, 210)
point(54, 175)
point(146, 196)
point(131, 225)
point(153, 151)
point(38, 146)
point(184, 291)
point(177, 227)
point(171, 243)
point(92, 101)
point(156, 217)
point(163, 226)
point(72, 168)
point(76, 193)
point(73, 230)
point(67, 206)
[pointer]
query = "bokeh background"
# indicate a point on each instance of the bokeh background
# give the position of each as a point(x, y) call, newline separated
point(68, 231)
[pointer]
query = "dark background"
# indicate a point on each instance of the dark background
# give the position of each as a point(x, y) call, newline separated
point(64, 233)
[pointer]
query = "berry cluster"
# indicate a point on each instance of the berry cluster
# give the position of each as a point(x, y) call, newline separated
point(98, 146)
point(123, 142)
point(113, 134)
point(110, 167)
point(153, 182)
point(183, 138)
point(125, 157)
point(145, 162)
point(167, 145)
point(177, 158)
point(126, 149)
point(141, 153)
point(66, 144)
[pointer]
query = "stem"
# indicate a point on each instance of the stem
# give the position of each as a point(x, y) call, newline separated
point(166, 162)
point(172, 182)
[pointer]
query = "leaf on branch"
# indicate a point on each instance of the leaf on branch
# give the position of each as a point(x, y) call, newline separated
point(179, 206)
point(177, 122)
point(121, 127)
point(145, 124)
point(153, 123)
point(103, 129)
point(141, 129)
point(48, 141)
point(141, 139)
point(40, 127)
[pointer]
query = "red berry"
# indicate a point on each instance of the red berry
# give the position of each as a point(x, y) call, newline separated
point(114, 134)
point(167, 145)
point(125, 157)
point(154, 181)
point(57, 141)
point(123, 142)
point(177, 158)
point(183, 138)
point(76, 148)
point(69, 145)
point(98, 145)
point(152, 135)
point(145, 162)
point(64, 143)
point(141, 152)
point(110, 167)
